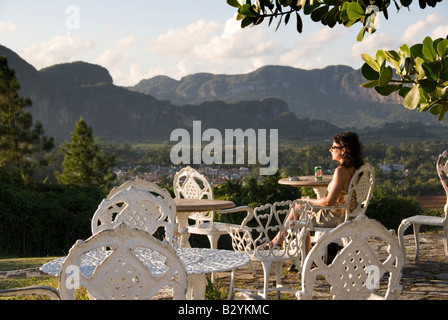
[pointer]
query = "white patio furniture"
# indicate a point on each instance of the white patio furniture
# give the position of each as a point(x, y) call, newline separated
point(254, 237)
point(122, 274)
point(359, 193)
point(190, 184)
point(138, 208)
point(369, 266)
point(418, 220)
point(198, 263)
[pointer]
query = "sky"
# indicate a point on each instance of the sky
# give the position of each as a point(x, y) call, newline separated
point(140, 39)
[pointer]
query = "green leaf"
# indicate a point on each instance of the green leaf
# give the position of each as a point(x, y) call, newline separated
point(370, 61)
point(355, 11)
point(443, 110)
point(429, 72)
point(245, 10)
point(317, 14)
point(361, 34)
point(393, 57)
point(416, 50)
point(369, 73)
point(419, 69)
point(444, 72)
point(412, 99)
point(299, 25)
point(247, 21)
point(404, 51)
point(428, 49)
point(404, 91)
point(385, 76)
point(332, 17)
point(234, 3)
point(380, 57)
point(428, 85)
point(405, 66)
point(387, 90)
point(369, 84)
point(344, 15)
point(442, 47)
point(308, 9)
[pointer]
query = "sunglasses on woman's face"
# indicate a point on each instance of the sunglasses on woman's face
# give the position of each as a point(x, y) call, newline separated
point(335, 147)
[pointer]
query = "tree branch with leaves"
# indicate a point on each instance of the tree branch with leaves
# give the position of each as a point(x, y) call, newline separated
point(421, 71)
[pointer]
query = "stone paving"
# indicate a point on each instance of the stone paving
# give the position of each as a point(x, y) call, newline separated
point(425, 279)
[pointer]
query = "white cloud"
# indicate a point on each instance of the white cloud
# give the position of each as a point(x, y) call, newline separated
point(417, 31)
point(370, 45)
point(116, 53)
point(216, 48)
point(7, 27)
point(60, 49)
point(183, 41)
point(313, 50)
point(440, 32)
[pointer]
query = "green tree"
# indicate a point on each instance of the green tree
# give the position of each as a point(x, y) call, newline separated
point(422, 69)
point(19, 139)
point(84, 163)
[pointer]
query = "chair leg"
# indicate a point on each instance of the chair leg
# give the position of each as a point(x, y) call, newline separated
point(266, 272)
point(401, 229)
point(416, 239)
point(445, 242)
point(232, 283)
point(278, 276)
point(252, 269)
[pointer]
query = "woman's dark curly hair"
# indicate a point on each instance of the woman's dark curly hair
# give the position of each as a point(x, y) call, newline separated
point(353, 155)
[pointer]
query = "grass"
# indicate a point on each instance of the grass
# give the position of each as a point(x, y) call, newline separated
point(8, 264)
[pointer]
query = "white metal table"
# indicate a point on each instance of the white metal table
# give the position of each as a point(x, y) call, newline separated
point(198, 262)
point(319, 186)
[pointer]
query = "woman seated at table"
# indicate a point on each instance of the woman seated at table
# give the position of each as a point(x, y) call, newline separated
point(348, 151)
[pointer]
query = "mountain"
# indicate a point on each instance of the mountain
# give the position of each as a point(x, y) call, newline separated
point(332, 94)
point(63, 93)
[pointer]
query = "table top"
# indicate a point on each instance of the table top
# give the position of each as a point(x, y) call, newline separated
point(193, 205)
point(306, 181)
point(196, 261)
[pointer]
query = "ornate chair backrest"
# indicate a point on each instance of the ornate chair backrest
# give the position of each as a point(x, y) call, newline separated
point(371, 251)
point(360, 191)
point(139, 209)
point(149, 187)
point(190, 184)
point(442, 171)
point(121, 274)
point(262, 225)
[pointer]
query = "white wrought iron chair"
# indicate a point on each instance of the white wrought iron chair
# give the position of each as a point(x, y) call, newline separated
point(359, 193)
point(418, 220)
point(122, 275)
point(254, 237)
point(369, 266)
point(190, 184)
point(138, 208)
